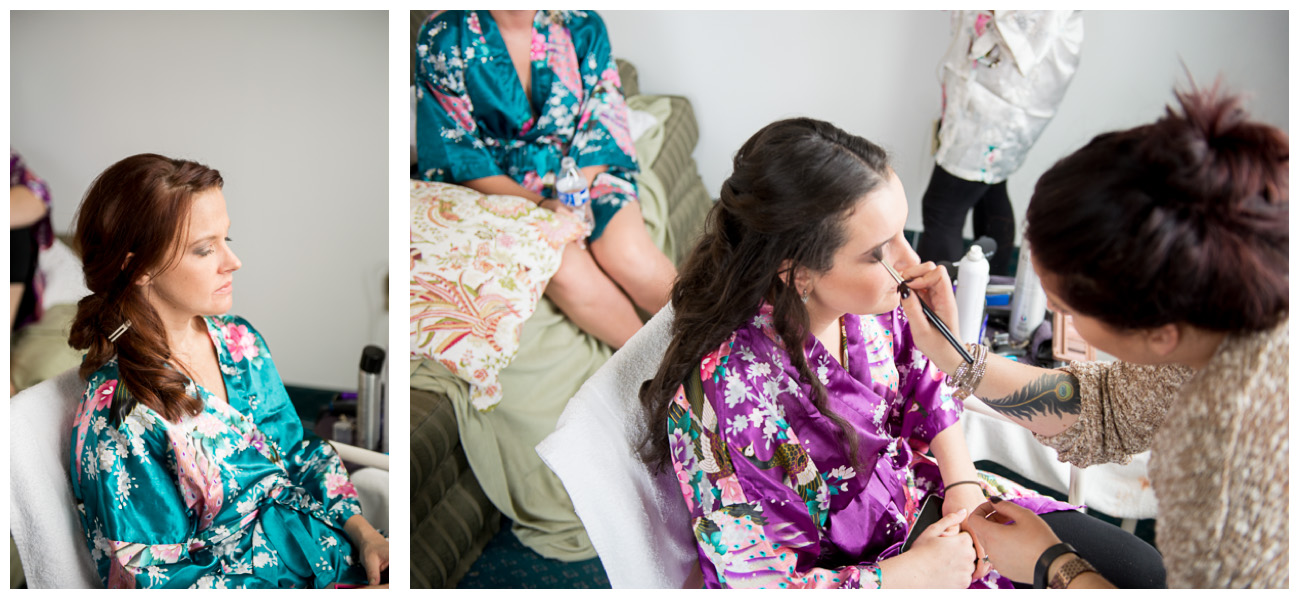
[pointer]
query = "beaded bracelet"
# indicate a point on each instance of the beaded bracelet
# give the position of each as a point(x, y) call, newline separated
point(967, 376)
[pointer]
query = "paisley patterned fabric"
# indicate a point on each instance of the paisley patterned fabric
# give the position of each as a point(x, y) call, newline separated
point(479, 264)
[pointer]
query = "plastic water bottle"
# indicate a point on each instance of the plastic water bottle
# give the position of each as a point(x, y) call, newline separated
point(344, 430)
point(972, 283)
point(1028, 301)
point(572, 189)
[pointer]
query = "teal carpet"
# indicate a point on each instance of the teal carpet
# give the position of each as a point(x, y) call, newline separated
point(506, 563)
point(309, 402)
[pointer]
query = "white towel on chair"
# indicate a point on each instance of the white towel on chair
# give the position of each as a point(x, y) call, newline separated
point(42, 514)
point(371, 485)
point(637, 521)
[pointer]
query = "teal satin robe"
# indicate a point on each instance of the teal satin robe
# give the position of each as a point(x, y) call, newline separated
point(237, 496)
point(474, 119)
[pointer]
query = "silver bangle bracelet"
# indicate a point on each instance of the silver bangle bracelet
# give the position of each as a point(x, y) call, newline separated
point(967, 377)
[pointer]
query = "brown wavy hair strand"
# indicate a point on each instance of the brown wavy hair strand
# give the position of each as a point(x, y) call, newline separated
point(132, 222)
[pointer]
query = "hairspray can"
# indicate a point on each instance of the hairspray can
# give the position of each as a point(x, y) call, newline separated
point(972, 283)
point(1028, 302)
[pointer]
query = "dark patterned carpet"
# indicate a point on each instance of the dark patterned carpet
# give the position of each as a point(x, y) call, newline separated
point(506, 563)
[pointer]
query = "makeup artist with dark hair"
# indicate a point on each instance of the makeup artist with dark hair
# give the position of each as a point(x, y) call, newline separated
point(1167, 244)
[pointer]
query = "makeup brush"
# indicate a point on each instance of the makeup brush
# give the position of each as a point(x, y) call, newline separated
point(933, 318)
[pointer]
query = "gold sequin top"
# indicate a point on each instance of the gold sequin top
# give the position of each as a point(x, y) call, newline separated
point(1219, 455)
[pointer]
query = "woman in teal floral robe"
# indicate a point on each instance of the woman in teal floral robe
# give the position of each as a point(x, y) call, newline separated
point(475, 119)
point(486, 121)
point(237, 496)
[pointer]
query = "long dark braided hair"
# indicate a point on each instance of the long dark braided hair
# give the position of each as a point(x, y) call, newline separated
point(793, 184)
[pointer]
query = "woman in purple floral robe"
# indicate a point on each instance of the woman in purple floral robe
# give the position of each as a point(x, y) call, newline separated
point(809, 468)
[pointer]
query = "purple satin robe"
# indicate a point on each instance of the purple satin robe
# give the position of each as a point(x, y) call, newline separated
point(774, 497)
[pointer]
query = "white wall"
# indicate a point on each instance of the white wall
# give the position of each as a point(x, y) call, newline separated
point(874, 73)
point(291, 107)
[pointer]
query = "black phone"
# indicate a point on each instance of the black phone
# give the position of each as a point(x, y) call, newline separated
point(931, 511)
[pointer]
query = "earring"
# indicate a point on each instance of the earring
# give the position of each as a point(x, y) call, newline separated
point(807, 291)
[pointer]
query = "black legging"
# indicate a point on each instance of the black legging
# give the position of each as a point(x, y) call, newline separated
point(1122, 558)
point(23, 252)
point(943, 214)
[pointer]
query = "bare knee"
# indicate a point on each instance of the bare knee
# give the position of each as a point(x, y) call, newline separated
point(567, 282)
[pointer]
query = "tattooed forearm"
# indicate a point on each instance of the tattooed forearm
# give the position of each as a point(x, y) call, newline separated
point(1054, 394)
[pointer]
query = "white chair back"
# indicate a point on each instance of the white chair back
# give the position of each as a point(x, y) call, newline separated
point(42, 513)
point(637, 521)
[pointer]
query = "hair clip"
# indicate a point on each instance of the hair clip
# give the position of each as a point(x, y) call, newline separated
point(112, 337)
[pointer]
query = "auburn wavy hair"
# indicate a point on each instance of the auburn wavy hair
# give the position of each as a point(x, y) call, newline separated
point(132, 222)
point(783, 207)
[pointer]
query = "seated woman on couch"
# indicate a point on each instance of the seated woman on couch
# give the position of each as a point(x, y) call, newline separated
point(189, 463)
point(29, 233)
point(793, 405)
point(502, 97)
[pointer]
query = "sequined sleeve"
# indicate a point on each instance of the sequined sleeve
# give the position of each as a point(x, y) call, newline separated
point(1123, 404)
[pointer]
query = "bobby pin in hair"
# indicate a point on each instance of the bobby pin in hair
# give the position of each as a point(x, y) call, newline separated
point(112, 337)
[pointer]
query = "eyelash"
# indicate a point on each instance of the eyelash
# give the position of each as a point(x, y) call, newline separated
point(878, 254)
point(207, 251)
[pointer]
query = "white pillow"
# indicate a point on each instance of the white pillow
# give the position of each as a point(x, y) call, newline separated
point(479, 265)
point(64, 281)
point(638, 122)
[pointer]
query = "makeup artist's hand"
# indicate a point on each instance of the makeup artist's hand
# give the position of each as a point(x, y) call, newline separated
point(931, 282)
point(1013, 537)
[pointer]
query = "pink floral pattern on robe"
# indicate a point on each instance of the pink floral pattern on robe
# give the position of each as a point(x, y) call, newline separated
point(775, 498)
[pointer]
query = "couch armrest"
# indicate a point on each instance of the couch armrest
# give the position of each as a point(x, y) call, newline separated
point(627, 77)
point(451, 518)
